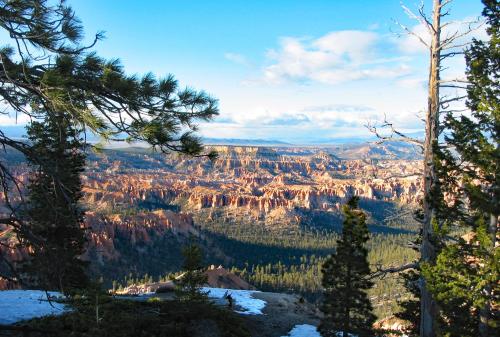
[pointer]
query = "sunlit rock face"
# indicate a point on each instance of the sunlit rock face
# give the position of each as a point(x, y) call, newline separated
point(141, 204)
point(255, 179)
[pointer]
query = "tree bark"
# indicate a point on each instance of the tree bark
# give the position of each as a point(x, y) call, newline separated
point(428, 310)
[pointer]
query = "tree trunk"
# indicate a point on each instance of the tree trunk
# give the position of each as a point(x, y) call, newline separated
point(428, 310)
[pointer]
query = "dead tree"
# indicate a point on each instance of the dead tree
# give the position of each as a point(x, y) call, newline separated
point(441, 45)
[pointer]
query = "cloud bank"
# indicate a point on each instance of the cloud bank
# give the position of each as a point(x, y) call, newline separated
point(334, 58)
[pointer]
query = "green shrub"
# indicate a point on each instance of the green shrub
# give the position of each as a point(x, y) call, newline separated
point(129, 318)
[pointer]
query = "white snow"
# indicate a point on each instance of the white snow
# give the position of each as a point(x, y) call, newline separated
point(18, 305)
point(303, 330)
point(242, 298)
point(306, 330)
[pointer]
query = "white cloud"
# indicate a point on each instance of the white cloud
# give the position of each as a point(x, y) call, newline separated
point(324, 117)
point(334, 58)
point(338, 115)
point(309, 124)
point(11, 119)
point(413, 83)
point(411, 44)
point(237, 58)
point(355, 45)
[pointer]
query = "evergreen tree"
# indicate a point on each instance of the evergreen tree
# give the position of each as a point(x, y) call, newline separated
point(346, 305)
point(53, 214)
point(410, 308)
point(465, 278)
point(47, 72)
point(47, 68)
point(188, 284)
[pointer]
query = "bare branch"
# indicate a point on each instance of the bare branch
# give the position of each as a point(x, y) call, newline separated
point(454, 80)
point(445, 3)
point(448, 42)
point(394, 135)
point(410, 32)
point(457, 46)
point(452, 86)
point(446, 101)
point(382, 272)
point(444, 56)
point(421, 17)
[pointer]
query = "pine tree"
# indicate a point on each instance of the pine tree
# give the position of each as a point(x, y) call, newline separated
point(53, 213)
point(188, 285)
point(464, 279)
point(46, 71)
point(410, 307)
point(346, 305)
point(47, 67)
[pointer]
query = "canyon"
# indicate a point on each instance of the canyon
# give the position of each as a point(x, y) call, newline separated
point(258, 181)
point(143, 206)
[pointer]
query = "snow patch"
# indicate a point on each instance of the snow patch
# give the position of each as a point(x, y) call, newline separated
point(303, 330)
point(242, 298)
point(306, 330)
point(19, 305)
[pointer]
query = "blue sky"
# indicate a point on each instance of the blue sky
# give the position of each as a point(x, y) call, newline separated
point(296, 71)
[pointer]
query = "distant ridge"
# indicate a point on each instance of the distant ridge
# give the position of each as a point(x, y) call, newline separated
point(348, 148)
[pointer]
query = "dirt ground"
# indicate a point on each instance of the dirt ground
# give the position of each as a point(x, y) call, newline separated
point(281, 314)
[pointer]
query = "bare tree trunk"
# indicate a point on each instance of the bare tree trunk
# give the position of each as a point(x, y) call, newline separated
point(439, 50)
point(428, 311)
